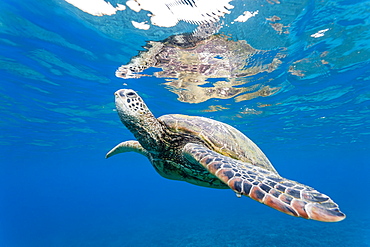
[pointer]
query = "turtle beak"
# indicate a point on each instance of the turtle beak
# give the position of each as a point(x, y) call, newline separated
point(120, 99)
point(120, 93)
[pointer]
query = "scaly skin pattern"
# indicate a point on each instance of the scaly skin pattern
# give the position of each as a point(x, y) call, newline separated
point(265, 186)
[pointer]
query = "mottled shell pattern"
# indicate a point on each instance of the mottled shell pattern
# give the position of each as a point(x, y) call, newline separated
point(220, 137)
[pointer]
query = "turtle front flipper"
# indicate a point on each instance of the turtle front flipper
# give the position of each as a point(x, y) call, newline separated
point(265, 186)
point(127, 146)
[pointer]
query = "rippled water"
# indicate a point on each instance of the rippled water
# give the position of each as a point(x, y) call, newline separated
point(304, 99)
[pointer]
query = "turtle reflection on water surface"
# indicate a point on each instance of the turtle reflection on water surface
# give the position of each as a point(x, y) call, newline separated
point(188, 62)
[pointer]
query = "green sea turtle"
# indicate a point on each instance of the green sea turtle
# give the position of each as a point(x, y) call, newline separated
point(209, 153)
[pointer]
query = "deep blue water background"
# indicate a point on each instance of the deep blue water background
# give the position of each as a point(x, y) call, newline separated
point(57, 122)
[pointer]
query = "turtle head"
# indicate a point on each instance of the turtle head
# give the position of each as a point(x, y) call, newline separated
point(137, 117)
point(130, 105)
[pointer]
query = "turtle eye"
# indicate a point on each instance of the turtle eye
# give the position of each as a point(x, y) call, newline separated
point(131, 94)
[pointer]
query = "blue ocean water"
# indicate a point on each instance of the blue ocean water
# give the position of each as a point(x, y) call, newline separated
point(57, 67)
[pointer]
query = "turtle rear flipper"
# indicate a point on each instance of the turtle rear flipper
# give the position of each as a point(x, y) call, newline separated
point(127, 146)
point(265, 186)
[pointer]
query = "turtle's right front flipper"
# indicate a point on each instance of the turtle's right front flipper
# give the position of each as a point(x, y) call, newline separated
point(127, 146)
point(265, 186)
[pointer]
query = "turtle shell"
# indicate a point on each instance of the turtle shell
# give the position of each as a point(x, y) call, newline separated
point(221, 137)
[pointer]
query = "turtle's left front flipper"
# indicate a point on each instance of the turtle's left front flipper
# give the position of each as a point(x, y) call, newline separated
point(127, 146)
point(265, 186)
